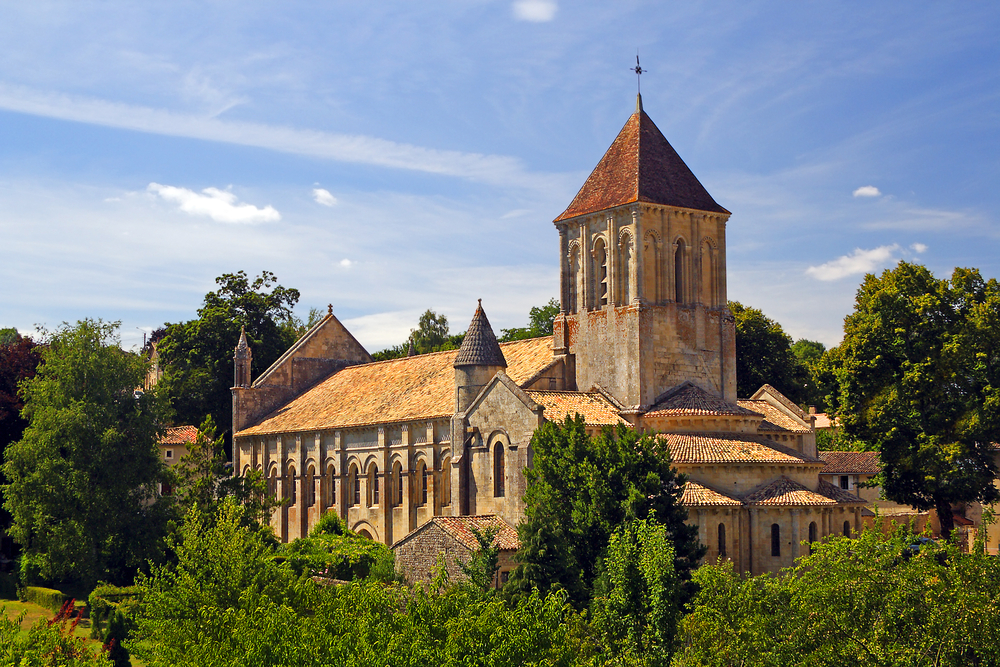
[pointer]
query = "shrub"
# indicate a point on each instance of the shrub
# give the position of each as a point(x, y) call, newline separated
point(49, 598)
point(108, 603)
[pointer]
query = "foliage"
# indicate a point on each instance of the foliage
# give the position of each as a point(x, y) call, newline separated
point(334, 552)
point(203, 478)
point(919, 378)
point(637, 606)
point(197, 356)
point(48, 643)
point(874, 600)
point(431, 335)
point(19, 358)
point(49, 598)
point(764, 355)
point(81, 479)
point(112, 609)
point(540, 321)
point(809, 354)
point(579, 490)
point(481, 570)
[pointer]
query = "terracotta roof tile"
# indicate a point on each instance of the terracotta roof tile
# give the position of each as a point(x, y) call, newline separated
point(640, 166)
point(460, 527)
point(774, 419)
point(699, 495)
point(595, 408)
point(856, 463)
point(409, 388)
point(479, 347)
point(179, 435)
point(840, 495)
point(690, 448)
point(823, 420)
point(784, 491)
point(688, 399)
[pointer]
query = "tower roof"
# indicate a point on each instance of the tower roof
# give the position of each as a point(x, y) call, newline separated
point(640, 166)
point(242, 349)
point(480, 347)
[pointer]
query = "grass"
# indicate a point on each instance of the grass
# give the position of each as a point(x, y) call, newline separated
point(33, 613)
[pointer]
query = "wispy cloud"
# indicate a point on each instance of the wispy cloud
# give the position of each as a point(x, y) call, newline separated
point(536, 11)
point(492, 169)
point(919, 248)
point(321, 196)
point(867, 191)
point(219, 205)
point(858, 262)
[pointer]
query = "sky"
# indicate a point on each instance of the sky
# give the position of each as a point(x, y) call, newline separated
point(390, 157)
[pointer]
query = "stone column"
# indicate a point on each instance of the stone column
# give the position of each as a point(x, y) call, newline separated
point(637, 274)
point(583, 299)
point(611, 257)
point(796, 547)
point(752, 541)
point(564, 270)
point(703, 528)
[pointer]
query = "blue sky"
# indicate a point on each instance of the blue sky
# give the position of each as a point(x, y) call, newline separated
point(396, 156)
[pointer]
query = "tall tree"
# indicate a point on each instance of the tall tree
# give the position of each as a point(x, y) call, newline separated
point(580, 488)
point(764, 355)
point(540, 319)
point(82, 478)
point(919, 378)
point(197, 356)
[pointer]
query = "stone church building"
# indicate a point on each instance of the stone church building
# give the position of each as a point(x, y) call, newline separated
point(644, 337)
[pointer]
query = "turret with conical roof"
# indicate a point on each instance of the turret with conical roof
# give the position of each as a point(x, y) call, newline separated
point(478, 360)
point(243, 359)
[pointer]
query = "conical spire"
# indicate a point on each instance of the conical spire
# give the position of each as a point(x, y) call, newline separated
point(640, 166)
point(242, 349)
point(412, 351)
point(480, 347)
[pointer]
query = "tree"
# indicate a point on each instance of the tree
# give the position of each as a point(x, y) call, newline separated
point(580, 489)
point(764, 355)
point(19, 359)
point(540, 321)
point(81, 481)
point(481, 570)
point(431, 335)
point(919, 378)
point(197, 355)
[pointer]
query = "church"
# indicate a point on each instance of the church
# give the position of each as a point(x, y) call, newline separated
point(644, 337)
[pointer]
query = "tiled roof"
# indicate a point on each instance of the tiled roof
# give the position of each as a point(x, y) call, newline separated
point(699, 495)
point(179, 435)
point(480, 347)
point(784, 491)
point(838, 494)
point(460, 527)
point(408, 388)
point(690, 400)
point(690, 448)
point(595, 408)
point(823, 420)
point(774, 419)
point(856, 463)
point(640, 166)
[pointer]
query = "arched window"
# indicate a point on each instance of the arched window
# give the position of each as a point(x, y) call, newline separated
point(847, 529)
point(722, 540)
point(446, 482)
point(498, 471)
point(355, 481)
point(679, 271)
point(601, 277)
point(775, 540)
point(373, 483)
point(290, 486)
point(423, 483)
point(331, 486)
point(310, 486)
point(397, 476)
point(812, 532)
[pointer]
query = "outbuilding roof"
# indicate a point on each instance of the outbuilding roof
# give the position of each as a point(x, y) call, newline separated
point(850, 463)
point(179, 435)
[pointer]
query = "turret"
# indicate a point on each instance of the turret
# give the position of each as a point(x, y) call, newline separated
point(478, 360)
point(242, 358)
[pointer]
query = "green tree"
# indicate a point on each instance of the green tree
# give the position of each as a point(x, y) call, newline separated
point(540, 321)
point(197, 356)
point(579, 490)
point(431, 335)
point(81, 481)
point(481, 570)
point(920, 379)
point(19, 359)
point(764, 355)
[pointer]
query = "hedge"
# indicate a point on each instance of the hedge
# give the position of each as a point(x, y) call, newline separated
point(49, 598)
point(111, 609)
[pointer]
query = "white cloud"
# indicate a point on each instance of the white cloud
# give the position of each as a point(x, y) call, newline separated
point(536, 11)
point(858, 262)
point(867, 191)
point(919, 248)
point(219, 205)
point(346, 263)
point(324, 197)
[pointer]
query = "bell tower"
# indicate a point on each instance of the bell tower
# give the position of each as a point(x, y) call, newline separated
point(643, 275)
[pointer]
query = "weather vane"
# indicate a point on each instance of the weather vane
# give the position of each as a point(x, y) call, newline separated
point(638, 73)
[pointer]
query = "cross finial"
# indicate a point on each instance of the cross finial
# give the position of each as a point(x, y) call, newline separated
point(329, 309)
point(638, 73)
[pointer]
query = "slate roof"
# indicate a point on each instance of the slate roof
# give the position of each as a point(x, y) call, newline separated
point(730, 448)
point(784, 491)
point(404, 389)
point(179, 435)
point(774, 419)
point(839, 494)
point(596, 409)
point(850, 463)
point(480, 347)
point(640, 166)
point(699, 495)
point(690, 400)
point(460, 527)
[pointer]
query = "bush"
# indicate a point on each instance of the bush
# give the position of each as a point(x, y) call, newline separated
point(112, 606)
point(49, 598)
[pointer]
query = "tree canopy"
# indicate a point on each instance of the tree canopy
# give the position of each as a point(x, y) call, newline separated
point(197, 356)
point(81, 480)
point(764, 355)
point(919, 378)
point(540, 319)
point(19, 359)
